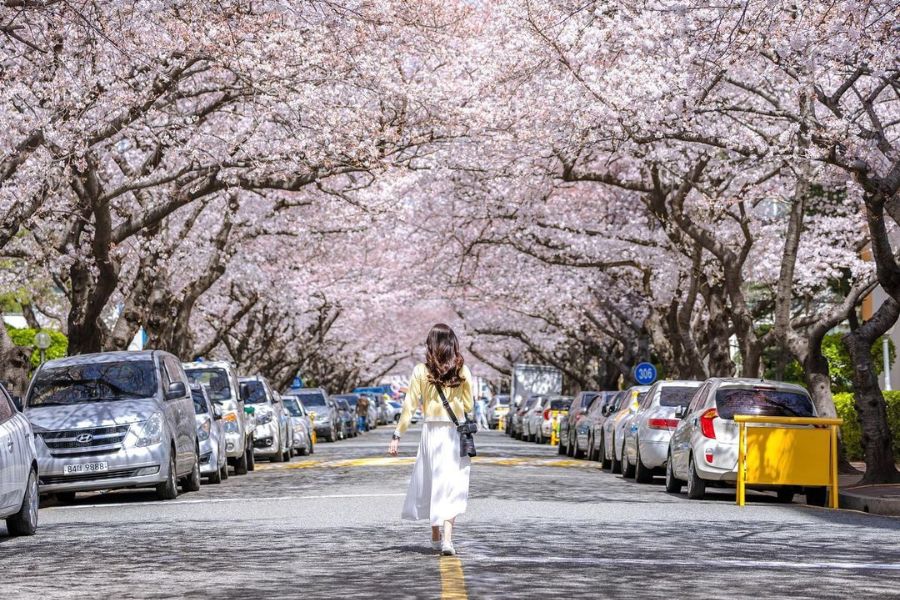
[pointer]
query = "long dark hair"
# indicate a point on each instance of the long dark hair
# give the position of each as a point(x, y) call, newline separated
point(443, 358)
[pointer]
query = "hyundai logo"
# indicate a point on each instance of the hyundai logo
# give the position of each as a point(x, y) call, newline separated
point(84, 438)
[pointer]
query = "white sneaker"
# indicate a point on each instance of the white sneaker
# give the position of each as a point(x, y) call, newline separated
point(447, 549)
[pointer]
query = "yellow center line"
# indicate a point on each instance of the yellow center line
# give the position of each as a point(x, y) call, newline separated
point(453, 581)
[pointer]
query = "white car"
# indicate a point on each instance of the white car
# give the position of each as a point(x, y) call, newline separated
point(647, 438)
point(19, 495)
point(302, 424)
point(615, 424)
point(703, 450)
point(210, 436)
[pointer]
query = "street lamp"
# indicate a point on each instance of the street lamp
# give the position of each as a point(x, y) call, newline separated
point(42, 341)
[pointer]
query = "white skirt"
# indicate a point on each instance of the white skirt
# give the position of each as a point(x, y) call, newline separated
point(439, 486)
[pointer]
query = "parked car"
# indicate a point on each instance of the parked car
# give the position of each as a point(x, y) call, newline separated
point(532, 417)
point(577, 411)
point(704, 447)
point(19, 494)
point(393, 409)
point(497, 409)
point(272, 438)
point(322, 410)
point(518, 417)
point(542, 423)
point(348, 417)
point(584, 427)
point(224, 389)
point(615, 424)
point(647, 438)
point(597, 416)
point(210, 435)
point(114, 420)
point(385, 413)
point(301, 423)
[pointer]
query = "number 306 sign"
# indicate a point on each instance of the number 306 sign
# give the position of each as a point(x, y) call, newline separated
point(645, 373)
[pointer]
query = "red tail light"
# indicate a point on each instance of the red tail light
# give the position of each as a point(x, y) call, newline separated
point(706, 423)
point(662, 423)
point(547, 415)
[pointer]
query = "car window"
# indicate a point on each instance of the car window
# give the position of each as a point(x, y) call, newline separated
point(560, 404)
point(6, 408)
point(93, 382)
point(676, 395)
point(176, 373)
point(293, 406)
point(256, 391)
point(647, 398)
point(215, 379)
point(199, 401)
point(312, 399)
point(699, 397)
point(769, 402)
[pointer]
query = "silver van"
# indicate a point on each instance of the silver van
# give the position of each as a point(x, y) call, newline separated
point(114, 420)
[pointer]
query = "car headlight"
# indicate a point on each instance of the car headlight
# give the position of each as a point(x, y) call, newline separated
point(147, 433)
point(230, 421)
point(263, 417)
point(203, 431)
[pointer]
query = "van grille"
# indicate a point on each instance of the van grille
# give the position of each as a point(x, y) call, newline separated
point(84, 442)
point(54, 479)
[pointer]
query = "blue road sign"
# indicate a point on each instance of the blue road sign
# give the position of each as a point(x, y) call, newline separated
point(297, 383)
point(645, 373)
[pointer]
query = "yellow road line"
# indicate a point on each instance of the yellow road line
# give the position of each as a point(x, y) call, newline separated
point(453, 581)
point(386, 461)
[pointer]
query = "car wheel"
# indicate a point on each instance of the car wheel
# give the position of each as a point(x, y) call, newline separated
point(312, 447)
point(673, 485)
point(279, 454)
point(577, 452)
point(570, 447)
point(696, 487)
point(65, 497)
point(785, 495)
point(562, 448)
point(191, 483)
point(604, 460)
point(240, 464)
point(25, 521)
point(641, 473)
point(168, 489)
point(616, 466)
point(224, 471)
point(251, 458)
point(817, 496)
point(627, 467)
point(303, 451)
point(215, 477)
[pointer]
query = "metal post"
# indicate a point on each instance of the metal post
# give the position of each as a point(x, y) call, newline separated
point(835, 482)
point(43, 356)
point(886, 352)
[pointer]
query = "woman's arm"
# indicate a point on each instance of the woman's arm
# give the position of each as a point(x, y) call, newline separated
point(468, 396)
point(410, 403)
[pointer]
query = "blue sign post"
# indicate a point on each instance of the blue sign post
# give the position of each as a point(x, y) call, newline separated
point(645, 373)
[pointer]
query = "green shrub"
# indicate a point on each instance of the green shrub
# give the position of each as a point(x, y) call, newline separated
point(851, 431)
point(59, 343)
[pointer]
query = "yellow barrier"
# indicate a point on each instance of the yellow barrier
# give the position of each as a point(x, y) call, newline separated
point(800, 456)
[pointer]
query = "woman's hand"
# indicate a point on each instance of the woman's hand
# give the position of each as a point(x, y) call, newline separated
point(394, 447)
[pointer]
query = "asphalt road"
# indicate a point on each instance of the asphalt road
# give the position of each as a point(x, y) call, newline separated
point(538, 526)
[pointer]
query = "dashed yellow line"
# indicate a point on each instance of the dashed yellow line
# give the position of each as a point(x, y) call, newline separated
point(387, 461)
point(453, 581)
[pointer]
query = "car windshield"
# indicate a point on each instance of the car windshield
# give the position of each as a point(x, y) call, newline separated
point(762, 401)
point(587, 400)
point(351, 400)
point(292, 404)
point(93, 382)
point(676, 396)
point(560, 404)
point(343, 404)
point(256, 392)
point(199, 402)
point(502, 400)
point(215, 380)
point(312, 399)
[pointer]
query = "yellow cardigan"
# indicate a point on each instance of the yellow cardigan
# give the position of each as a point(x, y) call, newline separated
point(423, 393)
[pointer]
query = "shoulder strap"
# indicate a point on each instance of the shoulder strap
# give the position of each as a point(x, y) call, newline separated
point(447, 405)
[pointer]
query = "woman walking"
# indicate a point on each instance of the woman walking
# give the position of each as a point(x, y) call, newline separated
point(439, 486)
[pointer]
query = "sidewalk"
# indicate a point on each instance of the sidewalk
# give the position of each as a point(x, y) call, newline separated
point(874, 499)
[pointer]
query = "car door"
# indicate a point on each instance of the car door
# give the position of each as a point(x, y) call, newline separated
point(171, 410)
point(186, 430)
point(681, 437)
point(12, 451)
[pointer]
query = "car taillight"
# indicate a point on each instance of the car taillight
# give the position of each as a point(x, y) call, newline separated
point(547, 415)
point(706, 423)
point(662, 423)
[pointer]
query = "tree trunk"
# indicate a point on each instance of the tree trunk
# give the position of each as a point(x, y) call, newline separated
point(15, 363)
point(870, 405)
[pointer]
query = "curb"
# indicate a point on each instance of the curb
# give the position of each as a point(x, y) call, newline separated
point(875, 505)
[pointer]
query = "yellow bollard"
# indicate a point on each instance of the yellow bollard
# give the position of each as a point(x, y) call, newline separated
point(501, 424)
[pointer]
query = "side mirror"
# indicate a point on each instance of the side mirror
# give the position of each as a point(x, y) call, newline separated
point(17, 401)
point(681, 412)
point(177, 389)
point(217, 412)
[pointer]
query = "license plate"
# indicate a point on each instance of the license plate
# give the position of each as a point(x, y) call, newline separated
point(94, 467)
